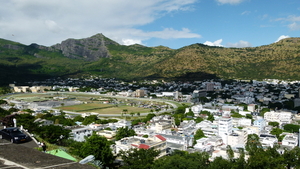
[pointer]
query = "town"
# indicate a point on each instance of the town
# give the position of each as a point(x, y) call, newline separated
point(199, 116)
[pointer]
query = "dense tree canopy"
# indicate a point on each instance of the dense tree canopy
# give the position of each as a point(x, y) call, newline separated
point(124, 132)
point(182, 160)
point(99, 147)
point(274, 124)
point(291, 128)
point(138, 158)
point(53, 134)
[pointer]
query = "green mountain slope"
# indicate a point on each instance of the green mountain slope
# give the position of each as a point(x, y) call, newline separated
point(98, 55)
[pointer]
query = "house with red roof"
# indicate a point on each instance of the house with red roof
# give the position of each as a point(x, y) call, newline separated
point(157, 142)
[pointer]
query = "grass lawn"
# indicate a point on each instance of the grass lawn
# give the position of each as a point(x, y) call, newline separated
point(103, 108)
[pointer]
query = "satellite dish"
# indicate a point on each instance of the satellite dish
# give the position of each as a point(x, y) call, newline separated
point(87, 159)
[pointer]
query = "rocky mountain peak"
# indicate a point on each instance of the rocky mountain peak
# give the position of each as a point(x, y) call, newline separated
point(90, 49)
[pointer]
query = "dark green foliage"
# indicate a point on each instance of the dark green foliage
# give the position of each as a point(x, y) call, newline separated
point(252, 144)
point(249, 116)
point(3, 102)
point(183, 160)
point(27, 121)
point(263, 111)
point(198, 119)
point(53, 134)
point(3, 113)
point(276, 131)
point(205, 112)
point(210, 117)
point(199, 134)
point(148, 117)
point(291, 128)
point(99, 147)
point(124, 132)
point(89, 119)
point(4, 90)
point(190, 113)
point(78, 118)
point(138, 158)
point(274, 124)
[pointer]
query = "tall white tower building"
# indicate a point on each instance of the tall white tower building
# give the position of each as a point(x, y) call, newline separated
point(225, 128)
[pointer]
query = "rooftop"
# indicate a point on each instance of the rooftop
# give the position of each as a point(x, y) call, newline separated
point(28, 158)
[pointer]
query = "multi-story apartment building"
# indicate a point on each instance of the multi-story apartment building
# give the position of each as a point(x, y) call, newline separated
point(281, 117)
point(225, 128)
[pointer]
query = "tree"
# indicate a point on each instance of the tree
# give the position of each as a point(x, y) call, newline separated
point(252, 143)
point(277, 132)
point(263, 111)
point(220, 163)
point(198, 119)
point(27, 121)
point(291, 157)
point(125, 111)
point(138, 158)
point(99, 147)
point(3, 113)
point(78, 118)
point(132, 114)
point(124, 132)
point(54, 134)
point(199, 134)
point(190, 113)
point(274, 124)
point(183, 160)
point(249, 116)
point(211, 118)
point(89, 119)
point(291, 128)
point(3, 102)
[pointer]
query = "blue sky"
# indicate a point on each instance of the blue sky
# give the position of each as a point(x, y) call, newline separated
point(171, 23)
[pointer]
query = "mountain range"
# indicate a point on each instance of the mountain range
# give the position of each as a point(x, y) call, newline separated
point(99, 55)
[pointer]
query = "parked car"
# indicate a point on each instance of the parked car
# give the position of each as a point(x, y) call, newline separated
point(14, 135)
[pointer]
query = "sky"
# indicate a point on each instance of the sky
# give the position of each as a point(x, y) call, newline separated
point(171, 23)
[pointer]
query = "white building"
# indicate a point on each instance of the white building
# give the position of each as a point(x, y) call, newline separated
point(182, 142)
point(238, 138)
point(157, 142)
point(282, 117)
point(251, 107)
point(79, 134)
point(260, 123)
point(290, 140)
point(225, 128)
point(208, 144)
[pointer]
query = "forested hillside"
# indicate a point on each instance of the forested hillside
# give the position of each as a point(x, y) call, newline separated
point(98, 55)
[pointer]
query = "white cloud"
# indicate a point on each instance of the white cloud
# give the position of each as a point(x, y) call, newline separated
point(294, 22)
point(282, 37)
point(294, 26)
point(246, 13)
point(131, 41)
point(50, 22)
point(240, 44)
point(232, 2)
point(52, 26)
point(215, 43)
